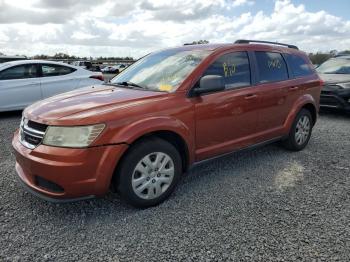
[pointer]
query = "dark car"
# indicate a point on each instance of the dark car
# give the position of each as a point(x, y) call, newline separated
point(335, 72)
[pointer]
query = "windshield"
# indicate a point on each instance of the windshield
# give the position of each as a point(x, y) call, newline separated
point(161, 71)
point(335, 66)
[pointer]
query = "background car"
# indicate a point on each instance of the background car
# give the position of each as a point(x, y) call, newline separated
point(86, 65)
point(116, 69)
point(335, 72)
point(27, 81)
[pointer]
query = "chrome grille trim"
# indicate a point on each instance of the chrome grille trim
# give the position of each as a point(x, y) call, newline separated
point(26, 131)
point(33, 132)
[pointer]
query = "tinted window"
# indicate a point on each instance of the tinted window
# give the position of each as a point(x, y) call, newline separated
point(234, 67)
point(271, 67)
point(299, 66)
point(56, 70)
point(19, 72)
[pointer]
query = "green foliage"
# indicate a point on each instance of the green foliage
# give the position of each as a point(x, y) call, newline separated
point(319, 58)
point(200, 42)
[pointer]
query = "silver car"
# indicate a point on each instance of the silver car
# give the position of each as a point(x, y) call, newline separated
point(27, 81)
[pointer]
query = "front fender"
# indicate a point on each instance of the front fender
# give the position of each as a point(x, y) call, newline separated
point(298, 105)
point(132, 132)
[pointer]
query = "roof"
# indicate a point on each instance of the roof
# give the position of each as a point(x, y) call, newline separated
point(12, 56)
point(24, 62)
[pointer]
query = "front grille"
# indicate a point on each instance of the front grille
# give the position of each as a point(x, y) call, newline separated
point(37, 126)
point(331, 88)
point(329, 100)
point(48, 185)
point(31, 133)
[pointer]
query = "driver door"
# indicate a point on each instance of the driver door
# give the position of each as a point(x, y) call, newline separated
point(19, 87)
point(226, 120)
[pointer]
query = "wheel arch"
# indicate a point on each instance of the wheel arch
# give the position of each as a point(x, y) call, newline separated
point(307, 102)
point(173, 132)
point(312, 109)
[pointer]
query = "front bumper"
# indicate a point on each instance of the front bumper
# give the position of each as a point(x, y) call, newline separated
point(66, 174)
point(332, 97)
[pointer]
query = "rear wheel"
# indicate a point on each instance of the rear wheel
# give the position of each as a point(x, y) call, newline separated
point(149, 172)
point(300, 133)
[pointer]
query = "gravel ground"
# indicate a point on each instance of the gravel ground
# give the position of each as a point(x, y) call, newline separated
point(266, 204)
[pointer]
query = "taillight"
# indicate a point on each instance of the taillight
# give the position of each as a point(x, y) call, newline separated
point(99, 77)
point(322, 82)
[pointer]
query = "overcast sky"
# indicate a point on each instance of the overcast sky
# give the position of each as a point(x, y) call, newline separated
point(134, 28)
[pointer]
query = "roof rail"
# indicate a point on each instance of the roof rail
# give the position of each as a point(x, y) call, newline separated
point(244, 41)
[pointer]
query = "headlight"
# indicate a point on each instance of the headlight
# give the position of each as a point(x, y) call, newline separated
point(76, 137)
point(344, 85)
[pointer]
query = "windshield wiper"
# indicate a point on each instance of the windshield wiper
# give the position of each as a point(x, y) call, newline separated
point(128, 83)
point(125, 85)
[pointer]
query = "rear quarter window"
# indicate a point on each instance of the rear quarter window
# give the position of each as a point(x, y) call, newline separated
point(299, 66)
point(56, 70)
point(271, 67)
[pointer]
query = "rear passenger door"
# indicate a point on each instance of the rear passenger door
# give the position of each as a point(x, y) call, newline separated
point(274, 89)
point(56, 79)
point(19, 87)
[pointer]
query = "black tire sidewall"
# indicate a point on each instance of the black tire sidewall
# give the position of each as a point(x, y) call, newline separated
point(131, 159)
point(292, 141)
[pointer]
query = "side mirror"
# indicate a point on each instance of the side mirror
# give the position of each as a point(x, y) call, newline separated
point(210, 83)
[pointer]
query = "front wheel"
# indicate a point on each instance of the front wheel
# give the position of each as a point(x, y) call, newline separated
point(300, 132)
point(149, 172)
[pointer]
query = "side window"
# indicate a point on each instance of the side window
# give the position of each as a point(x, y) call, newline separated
point(56, 70)
point(299, 66)
point(19, 72)
point(234, 67)
point(271, 67)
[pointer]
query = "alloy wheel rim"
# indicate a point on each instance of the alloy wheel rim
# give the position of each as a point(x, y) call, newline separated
point(302, 130)
point(153, 175)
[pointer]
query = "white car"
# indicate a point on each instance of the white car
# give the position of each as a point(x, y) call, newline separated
point(114, 69)
point(27, 81)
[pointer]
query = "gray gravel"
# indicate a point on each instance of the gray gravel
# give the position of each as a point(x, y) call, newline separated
point(261, 205)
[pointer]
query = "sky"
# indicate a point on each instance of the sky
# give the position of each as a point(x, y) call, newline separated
point(134, 28)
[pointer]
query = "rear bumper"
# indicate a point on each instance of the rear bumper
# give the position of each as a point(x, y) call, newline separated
point(65, 174)
point(336, 99)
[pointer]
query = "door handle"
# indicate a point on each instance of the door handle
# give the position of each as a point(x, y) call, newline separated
point(294, 88)
point(250, 96)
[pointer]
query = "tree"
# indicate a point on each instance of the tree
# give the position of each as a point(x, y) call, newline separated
point(41, 57)
point(200, 42)
point(319, 58)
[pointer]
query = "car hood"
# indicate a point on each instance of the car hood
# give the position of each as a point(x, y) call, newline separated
point(87, 102)
point(335, 78)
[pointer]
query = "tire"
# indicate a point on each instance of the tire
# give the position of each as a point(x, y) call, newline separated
point(144, 183)
point(300, 132)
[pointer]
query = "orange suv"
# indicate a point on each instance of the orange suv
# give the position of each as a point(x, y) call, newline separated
point(171, 109)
